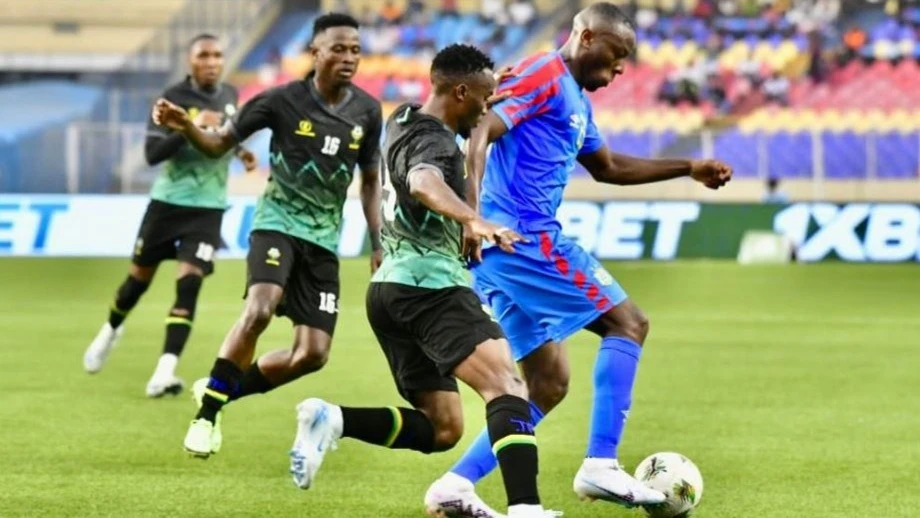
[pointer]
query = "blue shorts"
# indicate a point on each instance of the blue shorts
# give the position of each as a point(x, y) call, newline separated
point(547, 290)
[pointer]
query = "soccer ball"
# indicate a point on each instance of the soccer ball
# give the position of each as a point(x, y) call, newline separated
point(675, 476)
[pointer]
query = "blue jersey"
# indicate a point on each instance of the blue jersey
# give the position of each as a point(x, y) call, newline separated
point(549, 124)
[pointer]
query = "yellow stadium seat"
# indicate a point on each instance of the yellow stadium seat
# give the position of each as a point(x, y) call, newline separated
point(43, 39)
point(687, 53)
point(138, 13)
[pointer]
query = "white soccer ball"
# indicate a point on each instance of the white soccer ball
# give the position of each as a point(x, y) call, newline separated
point(675, 476)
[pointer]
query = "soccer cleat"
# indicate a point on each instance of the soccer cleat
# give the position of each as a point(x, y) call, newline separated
point(455, 496)
point(605, 479)
point(159, 386)
point(531, 511)
point(217, 438)
point(198, 438)
point(99, 349)
point(319, 426)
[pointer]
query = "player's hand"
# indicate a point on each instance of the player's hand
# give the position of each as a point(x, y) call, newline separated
point(497, 98)
point(504, 237)
point(504, 73)
point(471, 247)
point(208, 119)
point(170, 115)
point(711, 173)
point(376, 260)
point(248, 158)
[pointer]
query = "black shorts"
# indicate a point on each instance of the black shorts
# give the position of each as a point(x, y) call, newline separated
point(189, 234)
point(426, 333)
point(308, 273)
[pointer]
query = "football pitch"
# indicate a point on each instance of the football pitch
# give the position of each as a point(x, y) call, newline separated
point(794, 389)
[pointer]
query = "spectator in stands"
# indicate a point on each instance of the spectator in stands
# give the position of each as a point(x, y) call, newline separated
point(411, 90)
point(493, 10)
point(854, 39)
point(776, 89)
point(704, 9)
point(341, 6)
point(773, 194)
point(390, 12)
point(368, 17)
point(818, 66)
point(522, 12)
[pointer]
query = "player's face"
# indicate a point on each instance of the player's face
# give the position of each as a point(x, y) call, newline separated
point(337, 52)
point(473, 101)
point(603, 57)
point(206, 62)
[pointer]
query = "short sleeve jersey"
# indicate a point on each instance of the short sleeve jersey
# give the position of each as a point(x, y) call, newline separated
point(421, 247)
point(313, 153)
point(191, 178)
point(550, 124)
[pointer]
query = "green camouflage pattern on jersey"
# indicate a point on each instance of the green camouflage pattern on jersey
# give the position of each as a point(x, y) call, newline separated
point(192, 179)
point(305, 203)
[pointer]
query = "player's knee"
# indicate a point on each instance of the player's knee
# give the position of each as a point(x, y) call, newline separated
point(309, 358)
point(447, 434)
point(512, 384)
point(637, 327)
point(256, 317)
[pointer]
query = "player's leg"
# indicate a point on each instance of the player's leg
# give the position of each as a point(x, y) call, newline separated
point(269, 264)
point(179, 323)
point(434, 423)
point(195, 254)
point(311, 303)
point(152, 247)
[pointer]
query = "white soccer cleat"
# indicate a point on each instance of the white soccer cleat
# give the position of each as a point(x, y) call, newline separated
point(531, 511)
point(159, 386)
point(604, 479)
point(99, 349)
point(455, 496)
point(198, 440)
point(319, 426)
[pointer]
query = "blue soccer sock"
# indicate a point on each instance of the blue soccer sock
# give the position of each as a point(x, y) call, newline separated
point(478, 460)
point(614, 374)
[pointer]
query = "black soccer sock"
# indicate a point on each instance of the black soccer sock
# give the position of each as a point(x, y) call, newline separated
point(126, 298)
point(225, 376)
point(182, 314)
point(515, 447)
point(396, 428)
point(253, 382)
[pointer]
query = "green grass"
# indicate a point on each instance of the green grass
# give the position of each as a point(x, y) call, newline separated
point(793, 388)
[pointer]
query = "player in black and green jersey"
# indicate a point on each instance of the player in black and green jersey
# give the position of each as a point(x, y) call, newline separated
point(322, 127)
point(183, 218)
point(431, 325)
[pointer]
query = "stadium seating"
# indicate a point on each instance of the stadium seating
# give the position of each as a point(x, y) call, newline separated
point(84, 26)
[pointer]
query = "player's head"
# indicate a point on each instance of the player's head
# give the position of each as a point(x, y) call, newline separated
point(205, 60)
point(336, 48)
point(602, 38)
point(462, 76)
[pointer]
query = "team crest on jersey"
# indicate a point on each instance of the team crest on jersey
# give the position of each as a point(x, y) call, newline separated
point(230, 110)
point(357, 133)
point(603, 276)
point(138, 246)
point(580, 122)
point(193, 112)
point(305, 129)
point(273, 257)
point(488, 311)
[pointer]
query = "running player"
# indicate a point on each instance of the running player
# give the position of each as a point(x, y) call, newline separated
point(553, 288)
point(322, 127)
point(430, 324)
point(183, 218)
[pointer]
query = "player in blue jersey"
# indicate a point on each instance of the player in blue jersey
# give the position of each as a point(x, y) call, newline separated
point(552, 288)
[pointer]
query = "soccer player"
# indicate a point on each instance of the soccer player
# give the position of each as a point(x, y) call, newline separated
point(184, 215)
point(431, 325)
point(322, 126)
point(552, 288)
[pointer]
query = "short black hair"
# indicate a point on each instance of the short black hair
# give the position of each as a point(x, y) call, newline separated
point(204, 36)
point(608, 13)
point(457, 61)
point(328, 21)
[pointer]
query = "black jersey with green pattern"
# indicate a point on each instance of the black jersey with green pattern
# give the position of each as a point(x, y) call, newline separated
point(421, 247)
point(191, 178)
point(314, 150)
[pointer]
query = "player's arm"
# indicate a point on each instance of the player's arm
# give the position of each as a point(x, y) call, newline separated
point(427, 185)
point(161, 143)
point(247, 157)
point(369, 162)
point(608, 167)
point(490, 129)
point(212, 144)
